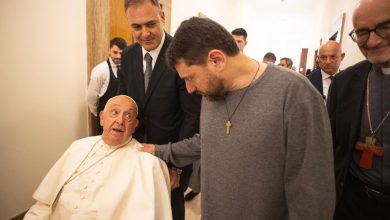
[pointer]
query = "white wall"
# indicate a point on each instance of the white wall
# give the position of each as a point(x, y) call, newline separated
point(281, 27)
point(43, 68)
point(332, 10)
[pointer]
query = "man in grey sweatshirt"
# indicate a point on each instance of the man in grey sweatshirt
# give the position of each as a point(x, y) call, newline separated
point(265, 142)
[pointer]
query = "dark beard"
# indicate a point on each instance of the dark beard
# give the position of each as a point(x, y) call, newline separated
point(214, 98)
point(218, 92)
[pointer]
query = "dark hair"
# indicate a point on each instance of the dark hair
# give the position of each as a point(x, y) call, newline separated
point(194, 39)
point(119, 42)
point(288, 61)
point(136, 2)
point(240, 32)
point(269, 56)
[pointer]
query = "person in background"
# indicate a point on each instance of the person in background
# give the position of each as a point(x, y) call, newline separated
point(106, 177)
point(104, 79)
point(286, 63)
point(240, 35)
point(359, 108)
point(269, 58)
point(256, 161)
point(329, 57)
point(168, 113)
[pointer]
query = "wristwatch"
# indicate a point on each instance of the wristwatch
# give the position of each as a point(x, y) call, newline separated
point(177, 170)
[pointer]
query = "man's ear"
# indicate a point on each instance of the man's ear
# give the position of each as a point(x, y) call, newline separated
point(162, 16)
point(342, 56)
point(101, 116)
point(216, 57)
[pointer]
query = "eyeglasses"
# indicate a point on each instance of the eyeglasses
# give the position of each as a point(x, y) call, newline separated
point(362, 35)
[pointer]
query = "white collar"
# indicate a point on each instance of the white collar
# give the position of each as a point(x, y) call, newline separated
point(324, 75)
point(386, 71)
point(154, 53)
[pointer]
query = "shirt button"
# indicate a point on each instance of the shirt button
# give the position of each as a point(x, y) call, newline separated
point(85, 187)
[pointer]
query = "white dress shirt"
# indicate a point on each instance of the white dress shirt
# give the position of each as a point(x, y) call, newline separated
point(386, 71)
point(326, 81)
point(153, 53)
point(100, 78)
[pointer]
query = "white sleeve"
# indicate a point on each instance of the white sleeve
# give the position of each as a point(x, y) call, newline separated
point(98, 77)
point(39, 211)
point(162, 191)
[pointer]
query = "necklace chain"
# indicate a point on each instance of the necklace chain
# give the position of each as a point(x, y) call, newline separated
point(230, 116)
point(368, 109)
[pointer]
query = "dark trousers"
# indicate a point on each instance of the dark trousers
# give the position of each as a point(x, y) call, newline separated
point(360, 202)
point(177, 195)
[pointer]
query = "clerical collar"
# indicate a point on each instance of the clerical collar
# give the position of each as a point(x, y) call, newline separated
point(116, 146)
point(386, 71)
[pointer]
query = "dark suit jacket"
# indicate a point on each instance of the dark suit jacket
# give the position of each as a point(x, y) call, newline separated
point(345, 105)
point(315, 78)
point(167, 113)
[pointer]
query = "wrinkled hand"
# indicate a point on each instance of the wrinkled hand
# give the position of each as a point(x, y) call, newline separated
point(149, 148)
point(175, 179)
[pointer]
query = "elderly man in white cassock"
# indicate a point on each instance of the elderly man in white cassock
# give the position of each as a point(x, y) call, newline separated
point(106, 177)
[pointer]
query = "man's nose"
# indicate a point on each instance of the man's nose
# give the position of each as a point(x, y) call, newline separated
point(373, 39)
point(145, 32)
point(120, 118)
point(190, 88)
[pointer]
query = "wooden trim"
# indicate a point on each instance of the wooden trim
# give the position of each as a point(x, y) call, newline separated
point(98, 37)
point(303, 61)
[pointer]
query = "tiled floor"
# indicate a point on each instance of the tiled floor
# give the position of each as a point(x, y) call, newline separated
point(193, 208)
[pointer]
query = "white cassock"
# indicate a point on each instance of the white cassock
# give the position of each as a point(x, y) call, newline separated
point(124, 184)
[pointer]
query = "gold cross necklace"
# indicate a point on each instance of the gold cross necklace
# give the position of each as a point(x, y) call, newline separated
point(230, 116)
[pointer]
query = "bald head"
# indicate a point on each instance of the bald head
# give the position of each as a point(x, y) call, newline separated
point(330, 56)
point(370, 15)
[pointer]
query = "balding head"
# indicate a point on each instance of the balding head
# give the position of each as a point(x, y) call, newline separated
point(330, 56)
point(119, 120)
point(373, 15)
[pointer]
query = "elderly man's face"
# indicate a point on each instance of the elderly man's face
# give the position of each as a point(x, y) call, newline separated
point(119, 120)
point(370, 15)
point(147, 23)
point(330, 57)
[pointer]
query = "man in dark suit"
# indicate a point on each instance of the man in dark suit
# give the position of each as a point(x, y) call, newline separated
point(329, 57)
point(167, 112)
point(359, 108)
